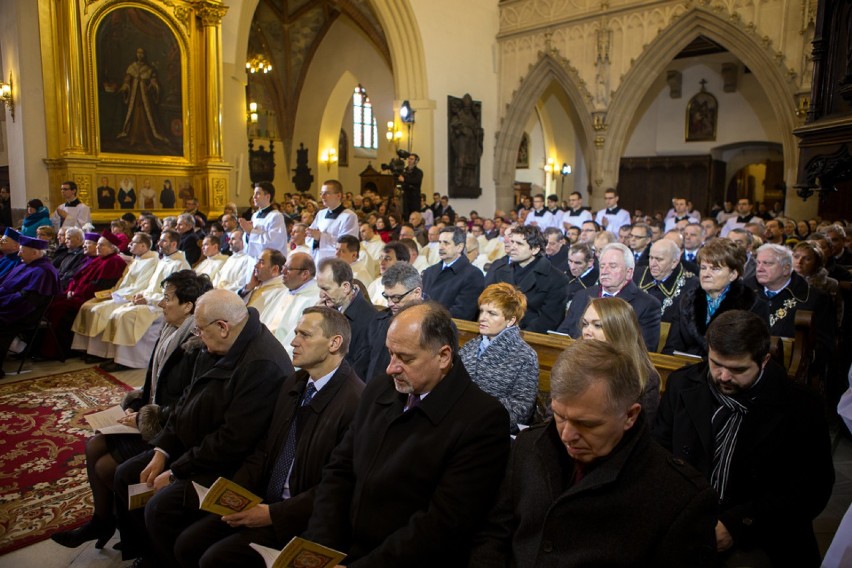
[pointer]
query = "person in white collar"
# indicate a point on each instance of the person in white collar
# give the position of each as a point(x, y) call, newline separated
point(72, 213)
point(612, 217)
point(213, 260)
point(576, 214)
point(267, 228)
point(332, 222)
point(539, 216)
point(299, 277)
point(265, 284)
point(237, 270)
point(681, 213)
point(298, 236)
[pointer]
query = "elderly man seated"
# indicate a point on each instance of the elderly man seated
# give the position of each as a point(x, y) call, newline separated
point(25, 291)
point(666, 277)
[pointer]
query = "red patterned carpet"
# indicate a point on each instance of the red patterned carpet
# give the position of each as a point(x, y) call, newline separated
point(43, 481)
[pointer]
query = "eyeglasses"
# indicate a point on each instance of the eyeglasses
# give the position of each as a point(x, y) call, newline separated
point(196, 331)
point(639, 237)
point(291, 269)
point(396, 298)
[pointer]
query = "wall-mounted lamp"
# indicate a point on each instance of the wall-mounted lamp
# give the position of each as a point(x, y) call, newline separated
point(253, 113)
point(329, 157)
point(394, 134)
point(6, 96)
point(566, 170)
point(550, 165)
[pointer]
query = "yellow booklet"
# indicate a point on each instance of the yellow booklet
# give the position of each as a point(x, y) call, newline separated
point(225, 497)
point(138, 495)
point(298, 553)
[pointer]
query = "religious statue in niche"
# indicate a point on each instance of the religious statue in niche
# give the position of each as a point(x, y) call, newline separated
point(465, 145)
point(140, 101)
point(701, 114)
point(523, 160)
point(303, 178)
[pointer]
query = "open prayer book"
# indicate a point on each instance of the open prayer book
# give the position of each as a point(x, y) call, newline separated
point(138, 495)
point(299, 552)
point(106, 422)
point(225, 497)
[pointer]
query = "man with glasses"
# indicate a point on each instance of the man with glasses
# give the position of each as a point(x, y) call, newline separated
point(267, 228)
point(332, 222)
point(299, 277)
point(72, 213)
point(640, 243)
point(133, 329)
point(94, 315)
point(402, 285)
point(589, 231)
point(223, 414)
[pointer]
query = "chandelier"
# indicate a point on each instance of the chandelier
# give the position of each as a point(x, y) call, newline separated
point(258, 64)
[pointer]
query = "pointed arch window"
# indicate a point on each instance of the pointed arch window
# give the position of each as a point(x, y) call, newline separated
point(364, 127)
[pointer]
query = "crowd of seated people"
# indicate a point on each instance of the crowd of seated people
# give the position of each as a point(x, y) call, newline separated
point(626, 284)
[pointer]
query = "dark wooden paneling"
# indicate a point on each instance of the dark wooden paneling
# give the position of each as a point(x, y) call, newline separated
point(650, 183)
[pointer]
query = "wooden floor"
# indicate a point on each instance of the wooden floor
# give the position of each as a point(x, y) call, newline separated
point(48, 554)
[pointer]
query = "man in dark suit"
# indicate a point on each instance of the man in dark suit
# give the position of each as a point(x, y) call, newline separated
point(582, 270)
point(531, 273)
point(402, 285)
point(760, 440)
point(420, 465)
point(454, 282)
point(640, 243)
point(502, 264)
point(223, 413)
point(555, 250)
point(314, 409)
point(338, 291)
point(188, 238)
point(666, 278)
point(570, 478)
point(616, 271)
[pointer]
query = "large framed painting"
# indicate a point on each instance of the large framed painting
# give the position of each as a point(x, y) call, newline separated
point(140, 94)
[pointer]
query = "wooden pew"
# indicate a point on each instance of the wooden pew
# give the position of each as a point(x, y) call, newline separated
point(794, 354)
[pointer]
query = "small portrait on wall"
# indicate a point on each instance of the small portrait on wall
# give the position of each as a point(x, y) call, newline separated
point(105, 192)
point(701, 114)
point(167, 194)
point(127, 192)
point(523, 161)
point(147, 195)
point(140, 102)
point(185, 191)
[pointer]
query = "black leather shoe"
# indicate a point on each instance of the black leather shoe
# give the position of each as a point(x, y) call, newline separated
point(97, 529)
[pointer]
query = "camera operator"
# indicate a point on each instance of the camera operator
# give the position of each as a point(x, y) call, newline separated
point(410, 179)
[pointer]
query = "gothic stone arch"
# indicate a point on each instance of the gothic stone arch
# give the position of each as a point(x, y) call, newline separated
point(770, 74)
point(550, 67)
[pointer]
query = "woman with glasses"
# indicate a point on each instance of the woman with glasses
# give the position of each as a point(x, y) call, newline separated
point(169, 372)
point(499, 361)
point(721, 263)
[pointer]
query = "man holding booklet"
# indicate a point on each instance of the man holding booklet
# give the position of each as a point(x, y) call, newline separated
point(222, 414)
point(314, 409)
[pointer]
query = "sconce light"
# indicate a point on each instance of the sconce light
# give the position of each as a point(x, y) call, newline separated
point(329, 157)
point(394, 134)
point(550, 165)
point(258, 64)
point(6, 96)
point(253, 113)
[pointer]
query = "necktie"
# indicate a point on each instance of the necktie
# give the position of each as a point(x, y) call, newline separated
point(690, 256)
point(771, 294)
point(281, 471)
point(412, 402)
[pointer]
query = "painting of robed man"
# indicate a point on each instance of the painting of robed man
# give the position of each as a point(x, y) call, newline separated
point(140, 104)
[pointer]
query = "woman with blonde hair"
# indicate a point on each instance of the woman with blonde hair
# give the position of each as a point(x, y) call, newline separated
point(613, 320)
point(499, 360)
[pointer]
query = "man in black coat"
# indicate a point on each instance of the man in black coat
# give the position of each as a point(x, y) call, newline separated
point(312, 421)
point(411, 180)
point(555, 250)
point(420, 465)
point(666, 278)
point(218, 420)
point(590, 487)
point(531, 273)
point(188, 238)
point(402, 286)
point(454, 282)
point(761, 441)
point(338, 291)
point(582, 270)
point(616, 271)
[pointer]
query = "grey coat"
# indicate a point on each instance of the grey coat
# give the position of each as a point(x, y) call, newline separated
point(507, 370)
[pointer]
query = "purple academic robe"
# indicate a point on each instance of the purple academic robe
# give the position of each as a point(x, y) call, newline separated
point(24, 288)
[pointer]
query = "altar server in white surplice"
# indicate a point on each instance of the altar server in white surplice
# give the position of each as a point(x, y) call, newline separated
point(332, 222)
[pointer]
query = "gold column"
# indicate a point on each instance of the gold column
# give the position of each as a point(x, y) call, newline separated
point(71, 77)
point(211, 13)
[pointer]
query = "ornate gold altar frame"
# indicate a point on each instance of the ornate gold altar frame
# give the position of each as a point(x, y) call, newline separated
point(70, 68)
